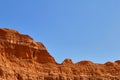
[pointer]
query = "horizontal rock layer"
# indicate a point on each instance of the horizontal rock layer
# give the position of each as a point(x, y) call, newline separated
point(21, 58)
point(12, 43)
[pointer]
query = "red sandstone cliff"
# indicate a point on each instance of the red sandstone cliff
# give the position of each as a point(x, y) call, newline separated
point(21, 58)
point(12, 43)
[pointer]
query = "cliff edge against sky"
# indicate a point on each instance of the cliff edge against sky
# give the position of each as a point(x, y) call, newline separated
point(21, 58)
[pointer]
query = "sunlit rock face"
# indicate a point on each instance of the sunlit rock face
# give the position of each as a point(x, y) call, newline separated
point(21, 58)
point(12, 43)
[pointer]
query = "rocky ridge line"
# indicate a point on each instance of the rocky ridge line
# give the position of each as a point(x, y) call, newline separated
point(21, 58)
point(12, 43)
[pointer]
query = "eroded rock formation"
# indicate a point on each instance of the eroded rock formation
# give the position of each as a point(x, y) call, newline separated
point(12, 43)
point(21, 58)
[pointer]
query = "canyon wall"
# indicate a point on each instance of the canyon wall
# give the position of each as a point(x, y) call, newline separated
point(21, 58)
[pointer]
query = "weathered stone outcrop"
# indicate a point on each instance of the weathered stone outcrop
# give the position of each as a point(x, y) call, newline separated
point(12, 43)
point(67, 62)
point(21, 58)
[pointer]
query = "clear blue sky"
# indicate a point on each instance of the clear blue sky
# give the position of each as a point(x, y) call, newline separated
point(76, 29)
